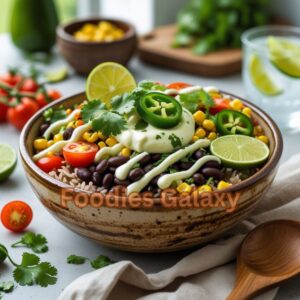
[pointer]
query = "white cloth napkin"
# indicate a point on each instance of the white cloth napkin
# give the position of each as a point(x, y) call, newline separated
point(207, 273)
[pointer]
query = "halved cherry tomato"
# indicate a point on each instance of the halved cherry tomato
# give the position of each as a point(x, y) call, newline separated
point(80, 154)
point(20, 114)
point(49, 163)
point(220, 104)
point(54, 94)
point(29, 85)
point(10, 79)
point(178, 85)
point(16, 215)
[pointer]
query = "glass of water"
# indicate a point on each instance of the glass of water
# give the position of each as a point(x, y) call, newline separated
point(271, 72)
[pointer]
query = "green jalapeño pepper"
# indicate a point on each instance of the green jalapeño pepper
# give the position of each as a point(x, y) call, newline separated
point(233, 122)
point(159, 110)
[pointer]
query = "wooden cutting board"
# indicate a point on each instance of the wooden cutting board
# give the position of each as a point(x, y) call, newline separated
point(155, 48)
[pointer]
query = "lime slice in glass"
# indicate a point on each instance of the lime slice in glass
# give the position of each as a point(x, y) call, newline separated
point(261, 79)
point(285, 55)
point(8, 161)
point(108, 80)
point(240, 151)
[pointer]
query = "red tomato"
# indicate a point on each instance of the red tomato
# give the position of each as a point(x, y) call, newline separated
point(41, 100)
point(178, 85)
point(29, 85)
point(3, 112)
point(54, 94)
point(20, 114)
point(48, 164)
point(10, 79)
point(220, 104)
point(80, 154)
point(16, 215)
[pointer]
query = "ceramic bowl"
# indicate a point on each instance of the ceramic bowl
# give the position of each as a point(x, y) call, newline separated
point(84, 56)
point(156, 229)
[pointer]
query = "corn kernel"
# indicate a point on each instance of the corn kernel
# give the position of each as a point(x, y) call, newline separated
point(199, 117)
point(212, 136)
point(90, 137)
point(101, 136)
point(71, 125)
point(200, 133)
point(195, 138)
point(247, 111)
point(184, 188)
point(215, 95)
point(209, 125)
point(79, 123)
point(126, 152)
point(50, 153)
point(58, 137)
point(237, 104)
point(111, 141)
point(68, 111)
point(264, 139)
point(89, 28)
point(204, 188)
point(102, 145)
point(40, 144)
point(223, 185)
point(50, 143)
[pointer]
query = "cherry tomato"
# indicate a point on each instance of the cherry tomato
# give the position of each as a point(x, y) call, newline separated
point(20, 114)
point(220, 104)
point(178, 85)
point(10, 79)
point(54, 94)
point(16, 215)
point(3, 112)
point(48, 164)
point(29, 85)
point(41, 100)
point(80, 154)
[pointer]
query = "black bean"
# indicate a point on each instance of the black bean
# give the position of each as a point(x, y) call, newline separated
point(102, 166)
point(212, 164)
point(212, 172)
point(117, 161)
point(148, 168)
point(145, 160)
point(155, 180)
point(97, 179)
point(198, 179)
point(136, 174)
point(108, 180)
point(112, 170)
point(92, 168)
point(175, 166)
point(84, 174)
point(155, 157)
point(198, 154)
point(185, 165)
point(68, 133)
point(121, 182)
point(43, 128)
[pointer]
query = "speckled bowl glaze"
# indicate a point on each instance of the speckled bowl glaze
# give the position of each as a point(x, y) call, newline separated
point(156, 229)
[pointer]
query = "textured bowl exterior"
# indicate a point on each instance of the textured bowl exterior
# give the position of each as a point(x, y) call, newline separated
point(84, 56)
point(157, 229)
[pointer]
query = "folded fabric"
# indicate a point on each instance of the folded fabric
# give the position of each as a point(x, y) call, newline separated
point(207, 273)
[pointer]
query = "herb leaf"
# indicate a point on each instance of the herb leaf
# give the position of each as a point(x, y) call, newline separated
point(36, 242)
point(123, 104)
point(76, 260)
point(93, 109)
point(52, 115)
point(175, 141)
point(146, 84)
point(7, 287)
point(101, 261)
point(206, 99)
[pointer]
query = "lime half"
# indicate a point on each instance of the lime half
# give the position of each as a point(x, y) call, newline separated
point(108, 80)
point(240, 151)
point(285, 55)
point(261, 79)
point(8, 161)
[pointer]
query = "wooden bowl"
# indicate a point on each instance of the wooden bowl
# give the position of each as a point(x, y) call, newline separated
point(156, 229)
point(84, 56)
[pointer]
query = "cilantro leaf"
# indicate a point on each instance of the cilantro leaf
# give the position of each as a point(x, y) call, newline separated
point(101, 261)
point(52, 115)
point(141, 124)
point(36, 242)
point(206, 99)
point(76, 260)
point(190, 101)
point(7, 287)
point(146, 84)
point(46, 274)
point(175, 141)
point(123, 104)
point(92, 110)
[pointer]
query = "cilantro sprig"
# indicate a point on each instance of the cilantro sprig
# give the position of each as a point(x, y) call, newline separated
point(36, 242)
point(99, 262)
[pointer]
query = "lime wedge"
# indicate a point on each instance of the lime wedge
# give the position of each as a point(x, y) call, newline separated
point(8, 161)
point(240, 151)
point(285, 55)
point(108, 80)
point(58, 75)
point(261, 79)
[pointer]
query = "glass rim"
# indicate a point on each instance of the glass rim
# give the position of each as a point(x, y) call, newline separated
point(245, 38)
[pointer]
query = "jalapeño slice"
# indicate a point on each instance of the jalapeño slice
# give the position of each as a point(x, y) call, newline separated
point(233, 122)
point(159, 110)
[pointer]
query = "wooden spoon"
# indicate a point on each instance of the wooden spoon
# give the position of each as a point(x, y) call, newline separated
point(269, 255)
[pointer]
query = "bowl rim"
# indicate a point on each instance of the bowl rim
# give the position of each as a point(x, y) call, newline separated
point(64, 35)
point(271, 164)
